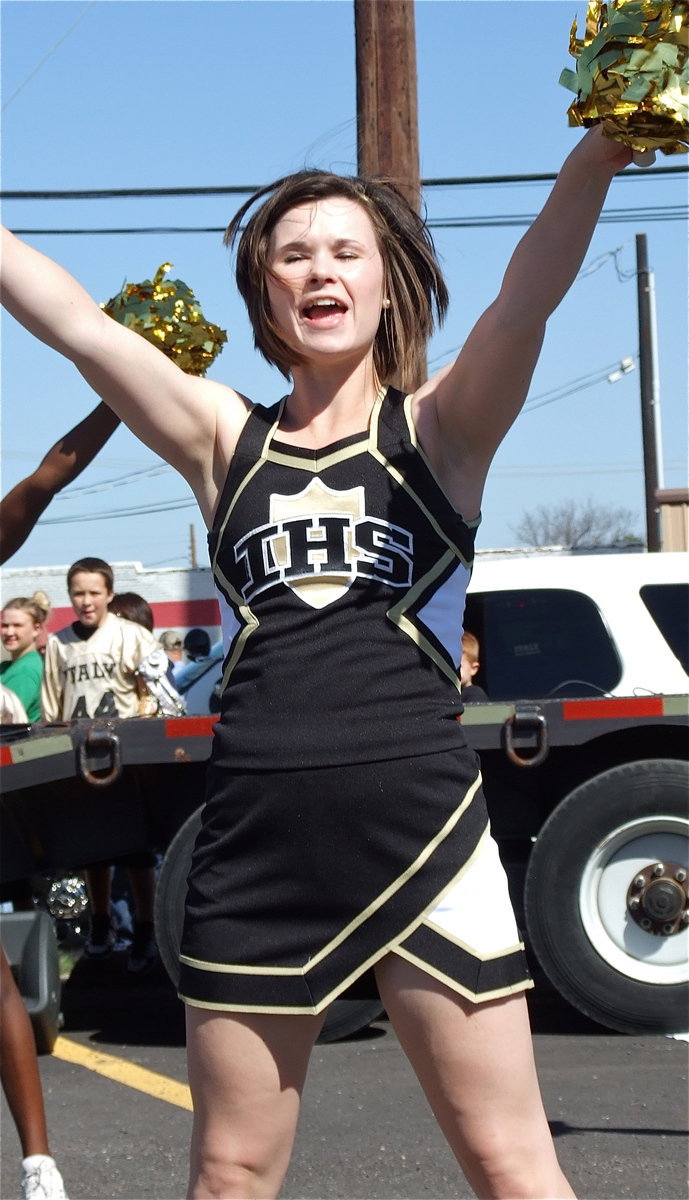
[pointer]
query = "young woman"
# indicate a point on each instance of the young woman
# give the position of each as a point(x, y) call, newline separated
point(22, 625)
point(345, 827)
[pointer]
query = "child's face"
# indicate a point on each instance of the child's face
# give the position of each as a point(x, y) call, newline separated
point(19, 631)
point(467, 670)
point(90, 597)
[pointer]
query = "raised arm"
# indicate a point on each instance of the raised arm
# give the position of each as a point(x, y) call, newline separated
point(463, 413)
point(193, 423)
point(22, 506)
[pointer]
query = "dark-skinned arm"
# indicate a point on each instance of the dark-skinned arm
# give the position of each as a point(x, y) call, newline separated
point(21, 508)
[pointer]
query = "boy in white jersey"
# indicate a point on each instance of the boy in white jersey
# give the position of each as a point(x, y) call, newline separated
point(90, 672)
point(90, 665)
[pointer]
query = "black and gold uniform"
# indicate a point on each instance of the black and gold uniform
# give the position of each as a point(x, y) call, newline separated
point(345, 816)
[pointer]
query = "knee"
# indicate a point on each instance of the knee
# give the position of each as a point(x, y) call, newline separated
point(514, 1169)
point(232, 1169)
point(228, 1181)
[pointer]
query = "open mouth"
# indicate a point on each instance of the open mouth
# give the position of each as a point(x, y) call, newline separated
point(323, 311)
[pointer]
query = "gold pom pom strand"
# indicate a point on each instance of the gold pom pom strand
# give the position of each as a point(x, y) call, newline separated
point(632, 73)
point(168, 315)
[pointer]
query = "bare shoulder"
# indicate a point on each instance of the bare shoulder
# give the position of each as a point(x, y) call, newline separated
point(231, 408)
point(223, 411)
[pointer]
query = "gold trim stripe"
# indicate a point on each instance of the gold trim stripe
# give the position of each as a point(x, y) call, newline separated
point(475, 997)
point(399, 478)
point(398, 615)
point(450, 937)
point(247, 478)
point(321, 464)
point(246, 613)
point(200, 964)
point(264, 1009)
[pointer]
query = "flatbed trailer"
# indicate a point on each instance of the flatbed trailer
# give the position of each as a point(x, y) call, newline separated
point(587, 799)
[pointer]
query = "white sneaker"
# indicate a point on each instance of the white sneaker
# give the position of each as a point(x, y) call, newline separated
point(143, 954)
point(102, 939)
point(41, 1179)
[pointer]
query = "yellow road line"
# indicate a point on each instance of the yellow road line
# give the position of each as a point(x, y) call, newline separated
point(121, 1071)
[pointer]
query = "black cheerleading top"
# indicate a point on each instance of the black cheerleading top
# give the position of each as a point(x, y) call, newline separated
point(341, 575)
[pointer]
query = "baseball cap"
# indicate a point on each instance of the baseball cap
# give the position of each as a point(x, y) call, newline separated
point(170, 639)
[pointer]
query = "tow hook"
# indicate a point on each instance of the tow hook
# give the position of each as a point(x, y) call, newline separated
point(528, 727)
point(100, 743)
point(658, 898)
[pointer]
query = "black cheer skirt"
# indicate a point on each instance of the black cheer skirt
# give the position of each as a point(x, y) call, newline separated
point(301, 880)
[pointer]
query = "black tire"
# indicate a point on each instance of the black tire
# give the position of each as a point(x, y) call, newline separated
point(343, 1018)
point(585, 857)
point(28, 939)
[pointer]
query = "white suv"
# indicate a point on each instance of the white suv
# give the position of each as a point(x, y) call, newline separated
point(551, 624)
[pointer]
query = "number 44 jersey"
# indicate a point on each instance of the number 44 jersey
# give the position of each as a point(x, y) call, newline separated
point(94, 676)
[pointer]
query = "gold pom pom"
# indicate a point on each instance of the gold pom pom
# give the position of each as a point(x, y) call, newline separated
point(166, 313)
point(632, 73)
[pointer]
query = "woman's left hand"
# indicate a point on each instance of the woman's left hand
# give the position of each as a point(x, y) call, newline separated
point(604, 150)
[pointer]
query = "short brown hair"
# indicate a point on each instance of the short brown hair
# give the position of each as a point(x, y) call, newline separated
point(413, 280)
point(132, 607)
point(94, 566)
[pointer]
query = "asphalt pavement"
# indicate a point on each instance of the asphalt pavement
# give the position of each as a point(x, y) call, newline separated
point(617, 1105)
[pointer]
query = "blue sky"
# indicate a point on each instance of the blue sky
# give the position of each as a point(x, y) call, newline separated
point(210, 93)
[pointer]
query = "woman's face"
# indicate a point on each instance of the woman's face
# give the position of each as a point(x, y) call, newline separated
point(327, 279)
point(19, 631)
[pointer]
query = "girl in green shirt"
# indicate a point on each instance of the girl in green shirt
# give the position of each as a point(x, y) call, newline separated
point(22, 625)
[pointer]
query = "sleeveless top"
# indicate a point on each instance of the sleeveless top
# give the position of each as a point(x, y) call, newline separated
point(341, 575)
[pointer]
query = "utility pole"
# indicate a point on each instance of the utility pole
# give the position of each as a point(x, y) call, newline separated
point(649, 390)
point(386, 92)
point(192, 546)
point(386, 102)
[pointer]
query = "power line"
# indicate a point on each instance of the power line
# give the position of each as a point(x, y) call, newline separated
point(525, 471)
point(588, 268)
point(46, 56)
point(576, 385)
point(249, 188)
point(673, 212)
point(105, 485)
point(609, 216)
point(539, 401)
point(111, 513)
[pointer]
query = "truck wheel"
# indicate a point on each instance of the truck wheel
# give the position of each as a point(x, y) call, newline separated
point(344, 1017)
point(606, 897)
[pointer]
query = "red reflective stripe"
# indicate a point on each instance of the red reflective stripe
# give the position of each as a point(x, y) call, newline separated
point(634, 706)
point(181, 614)
point(176, 727)
point(5, 756)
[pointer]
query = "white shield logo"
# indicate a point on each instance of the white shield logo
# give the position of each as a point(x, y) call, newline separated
point(329, 565)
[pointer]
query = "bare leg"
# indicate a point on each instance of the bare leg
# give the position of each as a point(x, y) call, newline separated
point(142, 881)
point(246, 1075)
point(475, 1063)
point(98, 883)
point(21, 1080)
